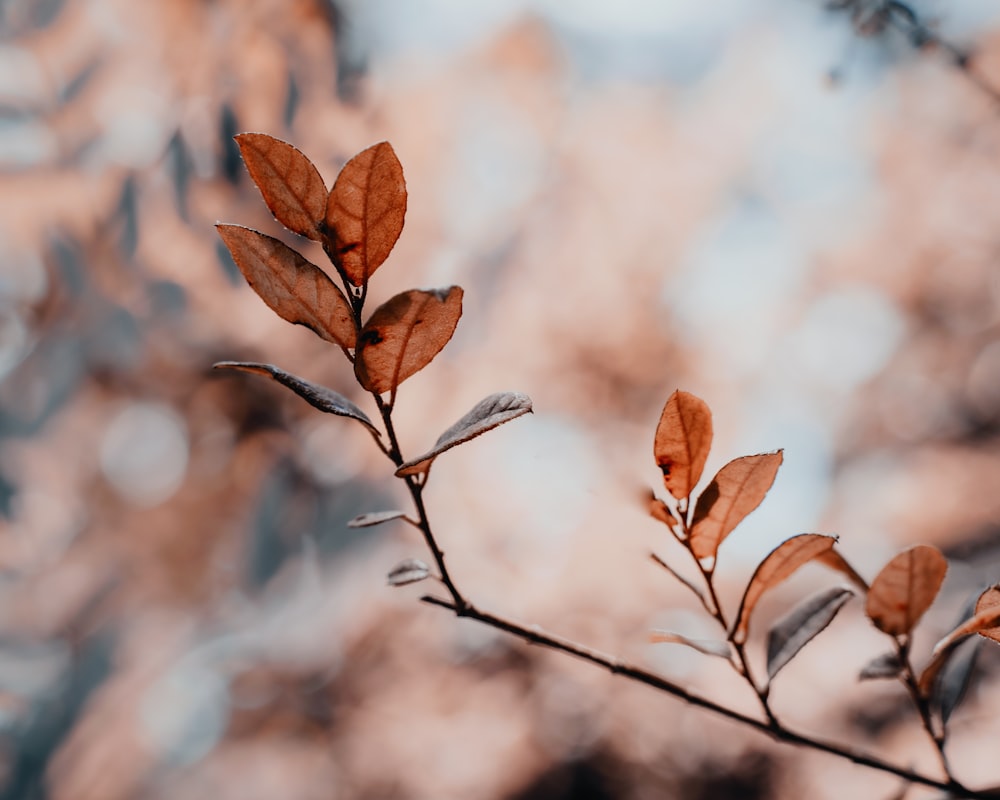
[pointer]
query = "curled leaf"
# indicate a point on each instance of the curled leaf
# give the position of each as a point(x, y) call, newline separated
point(886, 665)
point(683, 439)
point(291, 186)
point(403, 336)
point(984, 620)
point(905, 589)
point(374, 518)
point(410, 570)
point(296, 290)
point(779, 564)
point(487, 414)
point(365, 211)
point(987, 600)
point(313, 393)
point(737, 489)
point(710, 647)
point(796, 629)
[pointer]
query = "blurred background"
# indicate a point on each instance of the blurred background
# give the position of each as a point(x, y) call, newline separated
point(782, 206)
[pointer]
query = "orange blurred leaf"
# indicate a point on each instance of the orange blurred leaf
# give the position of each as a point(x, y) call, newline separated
point(984, 620)
point(779, 564)
point(313, 393)
point(905, 589)
point(291, 186)
point(404, 334)
point(295, 289)
point(365, 211)
point(660, 510)
point(486, 415)
point(683, 439)
point(799, 627)
point(987, 600)
point(737, 489)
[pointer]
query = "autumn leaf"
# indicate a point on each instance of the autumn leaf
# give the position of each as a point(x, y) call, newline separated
point(835, 561)
point(294, 288)
point(984, 620)
point(403, 336)
point(737, 489)
point(799, 627)
point(660, 510)
point(683, 439)
point(779, 564)
point(291, 186)
point(905, 589)
point(365, 211)
point(987, 600)
point(313, 393)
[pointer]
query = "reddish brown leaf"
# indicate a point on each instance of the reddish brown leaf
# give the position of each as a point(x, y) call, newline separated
point(779, 565)
point(291, 186)
point(295, 289)
point(365, 211)
point(486, 415)
point(660, 510)
point(683, 439)
point(985, 620)
point(834, 560)
point(404, 334)
point(737, 489)
point(987, 600)
point(905, 589)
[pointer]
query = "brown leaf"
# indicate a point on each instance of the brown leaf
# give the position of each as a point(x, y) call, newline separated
point(487, 414)
point(660, 510)
point(313, 393)
point(291, 186)
point(365, 211)
point(987, 600)
point(799, 627)
point(905, 589)
point(295, 289)
point(403, 336)
point(737, 489)
point(710, 647)
point(984, 620)
point(779, 564)
point(683, 439)
point(834, 560)
point(409, 570)
point(374, 518)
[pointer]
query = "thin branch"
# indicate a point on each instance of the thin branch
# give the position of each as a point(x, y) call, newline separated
point(534, 635)
point(680, 578)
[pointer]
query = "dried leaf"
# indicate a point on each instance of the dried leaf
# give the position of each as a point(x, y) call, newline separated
point(487, 414)
point(660, 510)
point(365, 211)
point(834, 560)
point(796, 629)
point(313, 393)
point(403, 336)
point(374, 518)
point(886, 665)
point(410, 570)
point(951, 688)
point(984, 620)
point(683, 439)
point(905, 589)
point(987, 600)
point(295, 289)
point(291, 186)
point(710, 647)
point(737, 489)
point(779, 564)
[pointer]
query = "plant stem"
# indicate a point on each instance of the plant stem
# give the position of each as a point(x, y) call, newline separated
point(536, 636)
